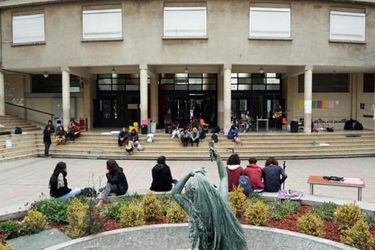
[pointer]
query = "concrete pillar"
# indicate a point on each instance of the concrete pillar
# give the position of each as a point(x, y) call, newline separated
point(66, 97)
point(354, 85)
point(227, 98)
point(154, 99)
point(220, 101)
point(88, 102)
point(143, 92)
point(308, 100)
point(2, 94)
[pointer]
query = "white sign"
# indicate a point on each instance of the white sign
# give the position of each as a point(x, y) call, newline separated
point(8, 143)
point(308, 107)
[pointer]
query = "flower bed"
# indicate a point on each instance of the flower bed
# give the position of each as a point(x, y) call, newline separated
point(80, 217)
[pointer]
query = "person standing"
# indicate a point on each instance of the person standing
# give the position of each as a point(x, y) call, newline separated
point(161, 176)
point(48, 130)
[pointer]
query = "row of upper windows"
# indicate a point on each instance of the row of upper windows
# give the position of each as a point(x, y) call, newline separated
point(180, 22)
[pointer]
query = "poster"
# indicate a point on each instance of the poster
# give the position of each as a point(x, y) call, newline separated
point(308, 108)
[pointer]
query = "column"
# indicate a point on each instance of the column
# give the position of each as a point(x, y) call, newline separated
point(143, 92)
point(2, 94)
point(66, 97)
point(308, 98)
point(154, 99)
point(227, 98)
point(354, 77)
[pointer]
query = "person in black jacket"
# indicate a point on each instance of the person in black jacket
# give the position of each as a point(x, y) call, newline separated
point(48, 130)
point(58, 184)
point(273, 175)
point(161, 176)
point(116, 182)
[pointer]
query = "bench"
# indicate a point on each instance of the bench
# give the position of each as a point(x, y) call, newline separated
point(348, 182)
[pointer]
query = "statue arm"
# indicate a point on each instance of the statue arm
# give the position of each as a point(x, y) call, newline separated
point(223, 179)
point(176, 193)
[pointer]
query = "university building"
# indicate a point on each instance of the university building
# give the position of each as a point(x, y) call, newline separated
point(117, 62)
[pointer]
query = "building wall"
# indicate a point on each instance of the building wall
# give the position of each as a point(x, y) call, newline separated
point(228, 31)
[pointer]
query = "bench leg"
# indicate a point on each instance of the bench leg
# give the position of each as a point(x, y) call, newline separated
point(312, 189)
point(359, 194)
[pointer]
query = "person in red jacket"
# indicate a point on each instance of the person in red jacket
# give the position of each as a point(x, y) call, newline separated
point(254, 172)
point(234, 171)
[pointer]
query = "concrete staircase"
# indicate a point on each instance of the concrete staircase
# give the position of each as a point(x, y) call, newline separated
point(260, 145)
point(10, 122)
point(21, 146)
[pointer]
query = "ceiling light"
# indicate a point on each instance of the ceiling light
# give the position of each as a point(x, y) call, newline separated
point(186, 70)
point(113, 72)
point(261, 70)
point(45, 75)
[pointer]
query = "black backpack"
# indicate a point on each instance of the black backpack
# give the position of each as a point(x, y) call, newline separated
point(358, 126)
point(18, 131)
point(348, 125)
point(215, 138)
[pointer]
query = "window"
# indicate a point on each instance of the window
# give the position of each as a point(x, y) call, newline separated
point(28, 28)
point(255, 81)
point(329, 83)
point(185, 22)
point(347, 26)
point(269, 22)
point(369, 83)
point(102, 24)
point(52, 84)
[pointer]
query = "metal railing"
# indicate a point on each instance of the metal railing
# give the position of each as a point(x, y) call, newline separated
point(26, 109)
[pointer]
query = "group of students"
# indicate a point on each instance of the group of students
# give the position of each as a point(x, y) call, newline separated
point(268, 179)
point(61, 135)
point(191, 134)
point(129, 140)
point(117, 183)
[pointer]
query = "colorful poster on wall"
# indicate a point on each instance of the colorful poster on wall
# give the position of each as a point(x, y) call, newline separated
point(308, 107)
point(325, 104)
point(300, 104)
point(319, 104)
point(314, 104)
point(331, 104)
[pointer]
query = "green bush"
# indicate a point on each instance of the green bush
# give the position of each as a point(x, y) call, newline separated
point(370, 219)
point(281, 209)
point(34, 222)
point(358, 236)
point(257, 213)
point(326, 211)
point(175, 214)
point(166, 201)
point(151, 207)
point(347, 215)
point(77, 216)
point(311, 224)
point(112, 210)
point(5, 246)
point(254, 197)
point(237, 201)
point(9, 227)
point(131, 215)
point(54, 210)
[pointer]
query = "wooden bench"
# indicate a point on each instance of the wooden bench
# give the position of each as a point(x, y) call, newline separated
point(348, 182)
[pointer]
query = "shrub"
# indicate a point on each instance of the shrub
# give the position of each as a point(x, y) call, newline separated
point(254, 197)
point(151, 207)
point(34, 222)
point(131, 215)
point(175, 214)
point(237, 201)
point(9, 227)
point(347, 215)
point(77, 216)
point(358, 236)
point(326, 211)
point(311, 224)
point(166, 201)
point(282, 209)
point(5, 246)
point(257, 213)
point(54, 210)
point(370, 219)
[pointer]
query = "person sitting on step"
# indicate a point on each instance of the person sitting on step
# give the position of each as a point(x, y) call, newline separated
point(122, 136)
point(234, 171)
point(233, 134)
point(129, 146)
point(194, 137)
point(273, 175)
point(73, 130)
point(185, 137)
point(134, 137)
point(254, 173)
point(161, 176)
point(60, 133)
point(58, 184)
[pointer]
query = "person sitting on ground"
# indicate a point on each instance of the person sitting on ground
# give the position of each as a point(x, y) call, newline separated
point(60, 133)
point(129, 146)
point(73, 130)
point(185, 137)
point(161, 176)
point(134, 137)
point(58, 184)
point(273, 175)
point(233, 134)
point(116, 182)
point(234, 171)
point(122, 136)
point(254, 173)
point(194, 137)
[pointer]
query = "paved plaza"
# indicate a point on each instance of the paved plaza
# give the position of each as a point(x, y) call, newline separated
point(24, 181)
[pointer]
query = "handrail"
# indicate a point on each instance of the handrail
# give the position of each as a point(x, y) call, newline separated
point(35, 110)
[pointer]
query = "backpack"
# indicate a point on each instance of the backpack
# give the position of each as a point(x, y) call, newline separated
point(18, 131)
point(244, 183)
point(88, 192)
point(358, 126)
point(140, 147)
point(215, 138)
point(348, 125)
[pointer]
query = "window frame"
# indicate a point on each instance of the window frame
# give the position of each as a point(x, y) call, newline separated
point(205, 36)
point(28, 13)
point(102, 8)
point(282, 38)
point(347, 13)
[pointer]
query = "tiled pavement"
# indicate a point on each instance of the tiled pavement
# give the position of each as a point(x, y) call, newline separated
point(23, 181)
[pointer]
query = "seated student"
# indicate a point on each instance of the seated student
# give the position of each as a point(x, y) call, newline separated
point(194, 137)
point(60, 133)
point(175, 131)
point(116, 182)
point(58, 184)
point(134, 137)
point(273, 175)
point(129, 146)
point(161, 176)
point(254, 173)
point(185, 137)
point(122, 136)
point(234, 171)
point(233, 134)
point(73, 130)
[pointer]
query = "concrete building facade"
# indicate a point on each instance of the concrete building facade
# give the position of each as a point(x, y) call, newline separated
point(182, 44)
